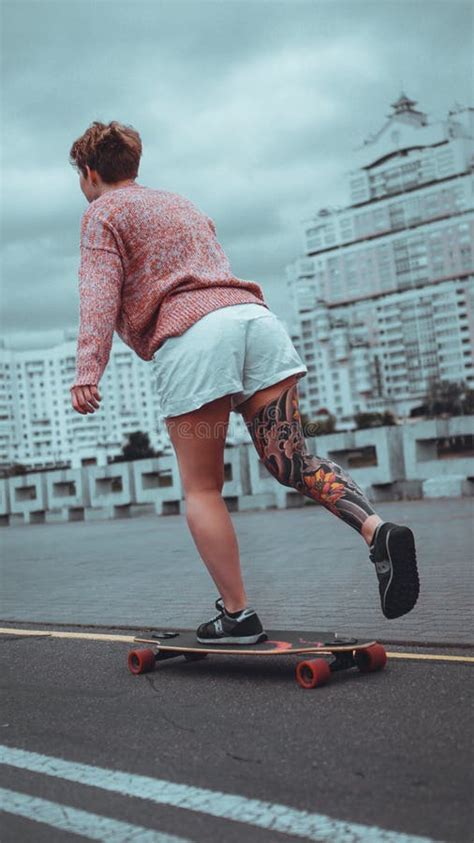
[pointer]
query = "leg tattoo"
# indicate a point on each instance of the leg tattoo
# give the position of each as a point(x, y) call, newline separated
point(277, 434)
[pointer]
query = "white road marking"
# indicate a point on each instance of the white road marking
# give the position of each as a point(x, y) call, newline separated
point(89, 825)
point(254, 812)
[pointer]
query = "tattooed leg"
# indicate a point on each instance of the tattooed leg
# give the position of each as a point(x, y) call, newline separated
point(277, 434)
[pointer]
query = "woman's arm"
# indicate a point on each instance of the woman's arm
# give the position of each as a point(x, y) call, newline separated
point(100, 292)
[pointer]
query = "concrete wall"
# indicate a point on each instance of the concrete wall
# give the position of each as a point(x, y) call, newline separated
point(389, 463)
point(420, 448)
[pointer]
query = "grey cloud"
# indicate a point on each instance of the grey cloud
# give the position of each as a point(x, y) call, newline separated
point(251, 108)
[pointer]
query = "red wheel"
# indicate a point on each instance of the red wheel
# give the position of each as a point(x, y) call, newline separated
point(373, 658)
point(141, 661)
point(311, 673)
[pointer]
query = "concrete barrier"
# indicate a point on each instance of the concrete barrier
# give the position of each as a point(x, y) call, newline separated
point(267, 491)
point(4, 502)
point(432, 449)
point(67, 495)
point(432, 458)
point(157, 483)
point(28, 498)
point(451, 486)
point(236, 476)
point(373, 457)
point(111, 491)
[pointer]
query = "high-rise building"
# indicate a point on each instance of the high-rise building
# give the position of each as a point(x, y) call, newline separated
point(384, 295)
point(39, 428)
point(38, 425)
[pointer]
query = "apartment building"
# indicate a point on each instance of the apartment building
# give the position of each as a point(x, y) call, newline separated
point(39, 427)
point(383, 296)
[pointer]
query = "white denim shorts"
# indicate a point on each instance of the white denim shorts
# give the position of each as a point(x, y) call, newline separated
point(234, 350)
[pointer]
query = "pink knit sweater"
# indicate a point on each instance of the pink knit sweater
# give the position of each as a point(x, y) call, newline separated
point(150, 267)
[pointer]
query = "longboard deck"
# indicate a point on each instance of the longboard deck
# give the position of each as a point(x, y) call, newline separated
point(278, 642)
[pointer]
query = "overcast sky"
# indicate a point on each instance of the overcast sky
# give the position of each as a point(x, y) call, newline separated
point(250, 108)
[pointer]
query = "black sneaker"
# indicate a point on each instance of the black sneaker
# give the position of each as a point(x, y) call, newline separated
point(393, 553)
point(244, 629)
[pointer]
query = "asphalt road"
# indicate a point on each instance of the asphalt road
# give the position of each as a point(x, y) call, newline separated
point(368, 757)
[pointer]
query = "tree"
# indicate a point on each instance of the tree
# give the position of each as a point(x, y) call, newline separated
point(14, 469)
point(418, 412)
point(137, 448)
point(365, 420)
point(468, 403)
point(446, 398)
point(318, 427)
point(310, 428)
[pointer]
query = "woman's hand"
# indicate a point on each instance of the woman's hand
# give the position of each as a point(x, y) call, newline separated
point(85, 398)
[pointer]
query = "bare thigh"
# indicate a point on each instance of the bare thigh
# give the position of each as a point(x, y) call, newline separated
point(198, 439)
point(251, 406)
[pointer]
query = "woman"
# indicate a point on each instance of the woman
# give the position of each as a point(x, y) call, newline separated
point(152, 269)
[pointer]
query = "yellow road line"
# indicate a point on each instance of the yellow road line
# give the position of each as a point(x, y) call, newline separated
point(432, 657)
point(57, 633)
point(131, 639)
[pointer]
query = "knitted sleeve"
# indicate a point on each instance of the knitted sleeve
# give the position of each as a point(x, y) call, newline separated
point(100, 292)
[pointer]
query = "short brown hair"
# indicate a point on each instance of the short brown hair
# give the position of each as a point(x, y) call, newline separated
point(112, 149)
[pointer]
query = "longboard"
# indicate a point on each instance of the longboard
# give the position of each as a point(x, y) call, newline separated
point(334, 652)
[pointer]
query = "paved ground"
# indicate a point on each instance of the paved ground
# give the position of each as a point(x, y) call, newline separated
point(303, 568)
point(389, 750)
point(381, 758)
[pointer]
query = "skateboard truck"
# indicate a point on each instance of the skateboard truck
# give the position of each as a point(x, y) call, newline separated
point(164, 635)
